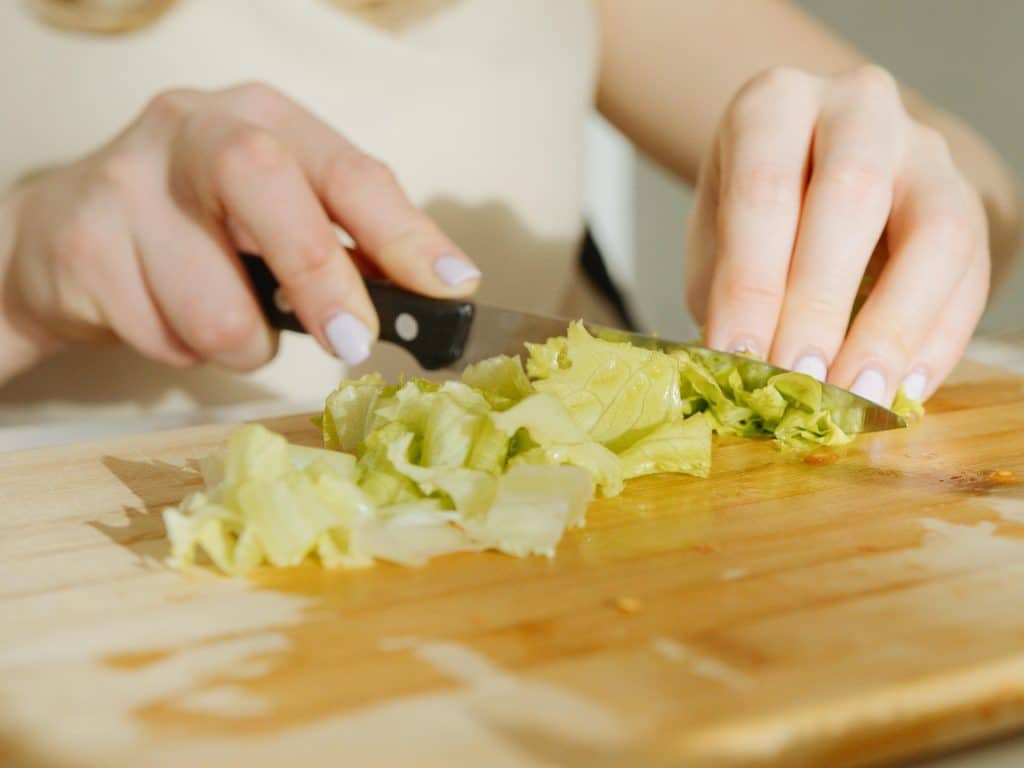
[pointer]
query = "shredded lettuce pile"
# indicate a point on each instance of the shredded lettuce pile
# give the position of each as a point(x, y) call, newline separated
point(505, 459)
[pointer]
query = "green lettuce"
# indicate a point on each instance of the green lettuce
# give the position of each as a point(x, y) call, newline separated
point(500, 379)
point(505, 459)
point(614, 391)
point(272, 503)
point(682, 446)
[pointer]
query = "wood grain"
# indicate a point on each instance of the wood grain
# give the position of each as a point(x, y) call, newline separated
point(779, 613)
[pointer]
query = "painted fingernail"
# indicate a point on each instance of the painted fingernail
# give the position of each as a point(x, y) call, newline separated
point(349, 338)
point(745, 347)
point(914, 384)
point(813, 366)
point(870, 385)
point(455, 271)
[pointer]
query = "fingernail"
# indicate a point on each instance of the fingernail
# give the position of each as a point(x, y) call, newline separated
point(870, 385)
point(914, 384)
point(813, 366)
point(349, 338)
point(745, 347)
point(455, 271)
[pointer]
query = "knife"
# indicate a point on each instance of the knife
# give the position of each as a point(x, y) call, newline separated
point(454, 333)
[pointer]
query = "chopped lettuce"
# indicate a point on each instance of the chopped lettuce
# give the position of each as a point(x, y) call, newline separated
point(312, 506)
point(544, 418)
point(682, 446)
point(604, 467)
point(615, 392)
point(349, 411)
point(272, 503)
point(411, 534)
point(500, 379)
point(700, 387)
point(534, 505)
point(470, 491)
point(744, 399)
point(505, 459)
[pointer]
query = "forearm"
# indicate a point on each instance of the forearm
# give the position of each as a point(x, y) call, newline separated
point(670, 68)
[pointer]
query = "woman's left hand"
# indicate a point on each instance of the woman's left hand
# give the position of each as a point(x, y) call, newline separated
point(808, 179)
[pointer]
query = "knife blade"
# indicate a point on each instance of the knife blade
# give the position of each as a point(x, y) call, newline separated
point(452, 334)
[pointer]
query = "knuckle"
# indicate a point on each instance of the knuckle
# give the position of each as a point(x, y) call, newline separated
point(857, 181)
point(346, 175)
point(229, 328)
point(170, 106)
point(887, 338)
point(77, 244)
point(257, 100)
point(247, 149)
point(744, 290)
point(875, 82)
point(778, 79)
point(825, 311)
point(764, 186)
point(310, 259)
point(774, 92)
point(933, 142)
point(371, 172)
point(123, 172)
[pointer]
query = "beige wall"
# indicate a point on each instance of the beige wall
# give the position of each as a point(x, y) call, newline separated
point(966, 55)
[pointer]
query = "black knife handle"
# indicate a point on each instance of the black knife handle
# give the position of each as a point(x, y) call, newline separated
point(434, 331)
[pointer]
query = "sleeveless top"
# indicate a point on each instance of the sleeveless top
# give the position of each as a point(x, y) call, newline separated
point(479, 106)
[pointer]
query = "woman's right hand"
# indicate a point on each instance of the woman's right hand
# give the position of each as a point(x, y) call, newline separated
point(139, 239)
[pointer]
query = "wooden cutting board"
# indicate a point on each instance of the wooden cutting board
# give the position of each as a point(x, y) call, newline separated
point(776, 614)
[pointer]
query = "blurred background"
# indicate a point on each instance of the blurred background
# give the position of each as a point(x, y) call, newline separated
point(964, 56)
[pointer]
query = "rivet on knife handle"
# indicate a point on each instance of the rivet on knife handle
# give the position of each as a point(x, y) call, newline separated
point(434, 331)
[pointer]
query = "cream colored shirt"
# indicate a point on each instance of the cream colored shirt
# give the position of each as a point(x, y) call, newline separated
point(479, 106)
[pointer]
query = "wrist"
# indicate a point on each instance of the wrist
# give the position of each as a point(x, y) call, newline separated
point(24, 341)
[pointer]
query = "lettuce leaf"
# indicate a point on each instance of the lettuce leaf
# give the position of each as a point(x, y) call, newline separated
point(604, 467)
point(470, 491)
point(614, 391)
point(505, 459)
point(682, 446)
point(544, 418)
point(533, 507)
point(500, 379)
point(349, 411)
point(269, 501)
point(699, 386)
point(411, 534)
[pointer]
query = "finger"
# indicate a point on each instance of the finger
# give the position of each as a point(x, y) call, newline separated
point(363, 195)
point(98, 284)
point(262, 188)
point(701, 242)
point(949, 335)
point(763, 149)
point(240, 236)
point(202, 292)
point(934, 237)
point(858, 148)
point(130, 308)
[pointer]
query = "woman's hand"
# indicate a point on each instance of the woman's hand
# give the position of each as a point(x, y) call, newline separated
point(139, 240)
point(807, 180)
